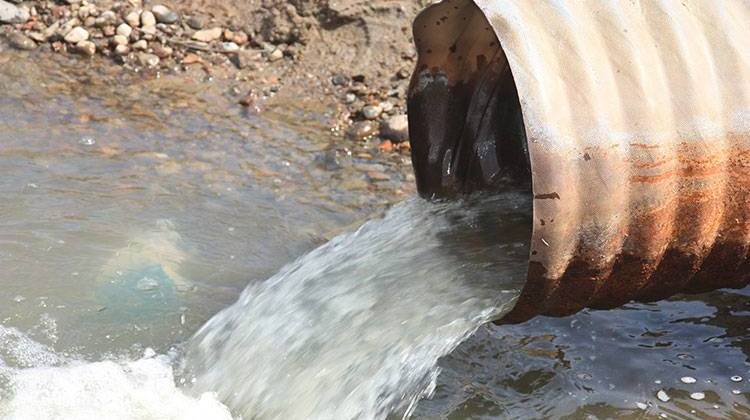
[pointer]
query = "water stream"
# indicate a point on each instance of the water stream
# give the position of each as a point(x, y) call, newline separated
point(354, 329)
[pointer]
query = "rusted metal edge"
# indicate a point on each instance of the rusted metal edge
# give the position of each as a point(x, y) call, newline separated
point(636, 116)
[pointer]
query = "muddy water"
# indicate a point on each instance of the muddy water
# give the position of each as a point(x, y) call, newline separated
point(132, 211)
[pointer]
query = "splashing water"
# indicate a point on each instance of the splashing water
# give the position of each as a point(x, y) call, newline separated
point(355, 328)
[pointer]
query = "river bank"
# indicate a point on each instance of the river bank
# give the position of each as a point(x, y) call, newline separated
point(350, 60)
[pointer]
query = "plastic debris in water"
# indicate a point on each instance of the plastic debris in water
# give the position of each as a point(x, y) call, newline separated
point(697, 396)
point(662, 396)
point(687, 380)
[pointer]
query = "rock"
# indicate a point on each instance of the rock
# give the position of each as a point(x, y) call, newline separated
point(194, 22)
point(339, 80)
point(164, 14)
point(148, 60)
point(122, 50)
point(148, 19)
point(133, 19)
point(148, 31)
point(140, 45)
point(120, 40)
point(162, 51)
point(208, 35)
point(362, 129)
point(386, 106)
point(76, 35)
point(240, 38)
point(105, 19)
point(89, 22)
point(229, 46)
point(371, 112)
point(10, 13)
point(20, 41)
point(385, 146)
point(378, 176)
point(125, 30)
point(276, 55)
point(247, 59)
point(395, 128)
point(350, 98)
point(109, 31)
point(86, 48)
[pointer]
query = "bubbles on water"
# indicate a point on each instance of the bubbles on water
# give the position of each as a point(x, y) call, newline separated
point(662, 396)
point(698, 396)
point(736, 378)
point(687, 380)
point(87, 141)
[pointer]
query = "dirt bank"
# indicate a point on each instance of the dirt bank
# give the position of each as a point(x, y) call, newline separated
point(350, 59)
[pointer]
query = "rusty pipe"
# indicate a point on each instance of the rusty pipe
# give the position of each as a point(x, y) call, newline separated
point(629, 122)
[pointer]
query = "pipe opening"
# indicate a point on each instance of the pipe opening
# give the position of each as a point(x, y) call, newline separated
point(465, 119)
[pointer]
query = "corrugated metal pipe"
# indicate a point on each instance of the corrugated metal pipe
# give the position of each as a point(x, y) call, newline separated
point(629, 121)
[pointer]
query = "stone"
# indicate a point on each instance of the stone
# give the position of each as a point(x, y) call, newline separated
point(350, 98)
point(140, 45)
point(371, 112)
point(76, 35)
point(133, 19)
point(339, 80)
point(148, 60)
point(240, 38)
point(208, 35)
point(119, 40)
point(10, 13)
point(229, 46)
point(194, 22)
point(361, 130)
point(395, 128)
point(247, 59)
point(20, 41)
point(109, 31)
point(105, 19)
point(162, 51)
point(164, 15)
point(386, 106)
point(122, 50)
point(125, 30)
point(148, 19)
point(276, 55)
point(86, 48)
point(149, 30)
point(385, 146)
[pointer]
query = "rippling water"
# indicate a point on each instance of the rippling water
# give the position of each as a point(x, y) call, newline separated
point(149, 195)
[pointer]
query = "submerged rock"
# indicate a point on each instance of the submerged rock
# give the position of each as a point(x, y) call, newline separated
point(208, 35)
point(76, 35)
point(396, 128)
point(20, 41)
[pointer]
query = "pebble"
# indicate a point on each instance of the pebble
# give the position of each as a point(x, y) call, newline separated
point(736, 378)
point(662, 396)
point(339, 80)
point(194, 22)
point(396, 128)
point(276, 55)
point(350, 98)
point(125, 30)
point(10, 13)
point(208, 35)
point(148, 60)
point(362, 129)
point(164, 14)
point(122, 50)
point(229, 46)
point(148, 19)
point(140, 45)
point(372, 112)
point(247, 58)
point(148, 30)
point(106, 18)
point(76, 35)
point(697, 396)
point(386, 106)
point(86, 48)
point(133, 19)
point(687, 380)
point(20, 41)
point(119, 40)
point(162, 51)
